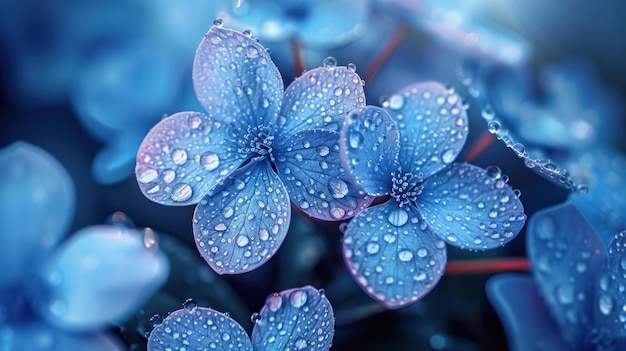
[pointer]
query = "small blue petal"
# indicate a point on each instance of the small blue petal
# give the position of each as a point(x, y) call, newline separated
point(36, 210)
point(610, 315)
point(320, 98)
point(369, 144)
point(184, 156)
point(432, 124)
point(117, 160)
point(198, 328)
point(309, 164)
point(241, 224)
point(523, 314)
point(40, 336)
point(236, 80)
point(304, 312)
point(102, 275)
point(390, 256)
point(566, 254)
point(469, 209)
point(333, 23)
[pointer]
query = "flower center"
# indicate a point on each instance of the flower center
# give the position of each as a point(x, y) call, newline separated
point(406, 187)
point(258, 142)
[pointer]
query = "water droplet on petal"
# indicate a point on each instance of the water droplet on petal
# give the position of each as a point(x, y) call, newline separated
point(218, 22)
point(351, 67)
point(448, 156)
point(519, 148)
point(182, 192)
point(405, 255)
point(565, 293)
point(146, 175)
point(487, 113)
point(274, 302)
point(247, 33)
point(605, 303)
point(337, 212)
point(355, 139)
point(338, 188)
point(298, 298)
point(300, 344)
point(493, 127)
point(252, 52)
point(190, 305)
point(396, 101)
point(323, 150)
point(242, 240)
point(329, 62)
point(179, 156)
point(398, 217)
point(494, 172)
point(255, 318)
point(209, 161)
point(372, 248)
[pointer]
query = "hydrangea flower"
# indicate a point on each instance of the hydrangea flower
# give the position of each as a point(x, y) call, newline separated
point(575, 299)
point(55, 296)
point(256, 149)
point(295, 319)
point(314, 23)
point(396, 250)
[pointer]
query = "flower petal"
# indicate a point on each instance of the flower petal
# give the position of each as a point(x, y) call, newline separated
point(432, 123)
point(37, 335)
point(198, 328)
point(184, 156)
point(523, 314)
point(103, 274)
point(309, 164)
point(333, 23)
point(566, 254)
point(305, 312)
point(320, 98)
point(37, 208)
point(236, 80)
point(391, 257)
point(117, 160)
point(239, 226)
point(610, 316)
point(369, 148)
point(469, 209)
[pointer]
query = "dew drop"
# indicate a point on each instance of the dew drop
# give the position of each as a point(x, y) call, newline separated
point(338, 92)
point(298, 298)
point(252, 52)
point(194, 122)
point(405, 255)
point(228, 212)
point(337, 212)
point(182, 192)
point(323, 150)
point(218, 22)
point(396, 101)
point(448, 156)
point(605, 303)
point(156, 320)
point(190, 305)
point(487, 113)
point(209, 161)
point(147, 175)
point(355, 139)
point(179, 156)
point(329, 62)
point(398, 217)
point(255, 318)
point(493, 127)
point(242, 240)
point(494, 172)
point(247, 33)
point(565, 293)
point(372, 248)
point(169, 175)
point(519, 148)
point(338, 188)
point(274, 302)
point(351, 67)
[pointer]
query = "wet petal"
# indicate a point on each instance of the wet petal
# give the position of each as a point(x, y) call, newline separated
point(369, 146)
point(305, 313)
point(239, 226)
point(333, 23)
point(391, 257)
point(432, 124)
point(523, 314)
point(102, 275)
point(36, 335)
point(184, 156)
point(309, 164)
point(236, 80)
point(198, 328)
point(566, 254)
point(33, 185)
point(320, 98)
point(470, 209)
point(610, 312)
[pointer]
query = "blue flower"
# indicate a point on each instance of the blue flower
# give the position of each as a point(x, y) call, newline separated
point(314, 23)
point(576, 300)
point(254, 151)
point(295, 319)
point(58, 297)
point(396, 250)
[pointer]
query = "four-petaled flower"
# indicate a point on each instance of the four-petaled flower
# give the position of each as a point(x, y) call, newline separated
point(396, 250)
point(576, 300)
point(295, 319)
point(256, 150)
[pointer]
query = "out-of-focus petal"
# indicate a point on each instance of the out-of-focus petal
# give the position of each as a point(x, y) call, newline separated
point(524, 314)
point(240, 225)
point(265, 18)
point(102, 275)
point(184, 156)
point(117, 160)
point(198, 328)
point(567, 255)
point(320, 98)
point(36, 209)
point(470, 209)
point(432, 123)
point(310, 166)
point(391, 255)
point(40, 336)
point(235, 79)
point(369, 147)
point(305, 312)
point(333, 23)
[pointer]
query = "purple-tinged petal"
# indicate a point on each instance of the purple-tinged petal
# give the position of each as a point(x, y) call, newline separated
point(432, 123)
point(40, 336)
point(309, 164)
point(609, 308)
point(102, 275)
point(304, 312)
point(567, 255)
point(469, 209)
point(390, 256)
point(240, 225)
point(320, 98)
point(333, 23)
point(523, 314)
point(36, 209)
point(369, 148)
point(184, 156)
point(198, 328)
point(236, 80)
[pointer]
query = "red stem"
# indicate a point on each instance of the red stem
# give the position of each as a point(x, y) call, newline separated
point(385, 53)
point(480, 145)
point(487, 266)
point(298, 59)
